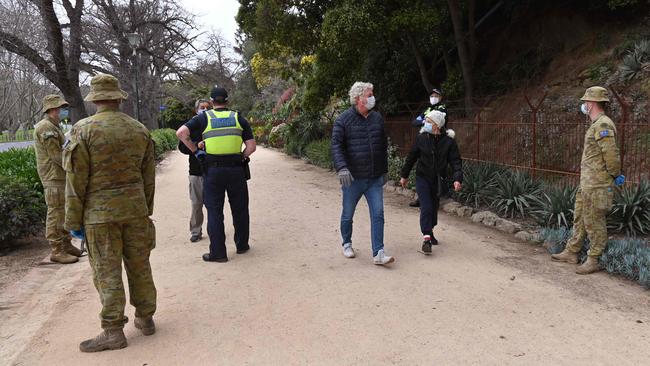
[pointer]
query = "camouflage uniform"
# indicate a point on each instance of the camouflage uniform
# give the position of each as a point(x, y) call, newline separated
point(110, 167)
point(601, 163)
point(48, 142)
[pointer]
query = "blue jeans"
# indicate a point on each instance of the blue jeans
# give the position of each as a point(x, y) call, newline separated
point(216, 183)
point(429, 203)
point(373, 190)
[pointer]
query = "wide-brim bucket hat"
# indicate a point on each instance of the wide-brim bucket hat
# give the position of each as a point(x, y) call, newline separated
point(105, 87)
point(53, 101)
point(596, 94)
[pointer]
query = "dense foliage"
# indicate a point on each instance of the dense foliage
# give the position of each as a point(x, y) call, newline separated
point(20, 166)
point(22, 209)
point(164, 140)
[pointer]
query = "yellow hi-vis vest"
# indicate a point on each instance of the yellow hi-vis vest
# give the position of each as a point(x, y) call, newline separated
point(223, 134)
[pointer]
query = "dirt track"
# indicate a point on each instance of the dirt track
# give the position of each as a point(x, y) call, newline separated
point(483, 298)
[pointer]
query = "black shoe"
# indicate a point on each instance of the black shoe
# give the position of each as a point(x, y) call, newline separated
point(415, 203)
point(426, 247)
point(196, 237)
point(434, 241)
point(244, 250)
point(207, 258)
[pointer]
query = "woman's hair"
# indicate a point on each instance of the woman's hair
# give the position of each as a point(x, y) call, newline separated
point(357, 90)
point(199, 102)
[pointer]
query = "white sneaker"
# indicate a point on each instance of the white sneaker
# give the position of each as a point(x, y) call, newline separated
point(348, 252)
point(382, 259)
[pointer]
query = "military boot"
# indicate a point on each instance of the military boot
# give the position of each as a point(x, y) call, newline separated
point(146, 325)
point(566, 256)
point(60, 256)
point(591, 265)
point(71, 249)
point(109, 339)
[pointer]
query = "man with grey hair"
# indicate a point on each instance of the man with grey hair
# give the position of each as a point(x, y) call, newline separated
point(359, 154)
point(196, 178)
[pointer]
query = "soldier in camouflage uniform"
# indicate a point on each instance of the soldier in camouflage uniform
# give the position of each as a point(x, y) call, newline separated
point(110, 167)
point(48, 141)
point(600, 169)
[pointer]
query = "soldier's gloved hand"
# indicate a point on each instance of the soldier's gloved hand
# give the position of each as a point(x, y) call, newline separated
point(200, 155)
point(345, 177)
point(79, 234)
point(620, 180)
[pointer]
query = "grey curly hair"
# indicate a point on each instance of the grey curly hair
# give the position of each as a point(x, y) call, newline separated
point(357, 90)
point(199, 102)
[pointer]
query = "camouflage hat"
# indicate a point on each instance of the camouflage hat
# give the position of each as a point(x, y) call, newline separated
point(105, 87)
point(53, 101)
point(596, 94)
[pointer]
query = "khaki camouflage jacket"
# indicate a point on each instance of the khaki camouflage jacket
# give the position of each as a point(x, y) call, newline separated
point(48, 140)
point(601, 160)
point(109, 161)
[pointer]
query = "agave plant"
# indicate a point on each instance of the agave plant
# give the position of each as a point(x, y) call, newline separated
point(478, 179)
point(630, 258)
point(631, 211)
point(554, 208)
point(514, 194)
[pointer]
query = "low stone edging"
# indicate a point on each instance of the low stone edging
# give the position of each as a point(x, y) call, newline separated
point(486, 218)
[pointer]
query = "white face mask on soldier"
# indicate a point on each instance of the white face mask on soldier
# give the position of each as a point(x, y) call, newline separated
point(434, 100)
point(370, 103)
point(584, 109)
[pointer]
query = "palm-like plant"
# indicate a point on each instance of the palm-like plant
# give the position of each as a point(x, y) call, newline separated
point(514, 194)
point(631, 211)
point(555, 207)
point(478, 179)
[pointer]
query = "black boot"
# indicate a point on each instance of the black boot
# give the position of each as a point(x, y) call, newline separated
point(415, 203)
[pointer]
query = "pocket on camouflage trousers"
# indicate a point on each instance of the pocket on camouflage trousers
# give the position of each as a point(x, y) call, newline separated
point(603, 199)
point(54, 196)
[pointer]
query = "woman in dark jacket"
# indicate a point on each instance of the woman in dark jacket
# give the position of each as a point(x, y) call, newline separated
point(434, 149)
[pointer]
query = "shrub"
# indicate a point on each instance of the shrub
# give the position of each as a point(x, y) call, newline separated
point(278, 134)
point(630, 258)
point(554, 208)
point(556, 237)
point(20, 165)
point(395, 165)
point(319, 153)
point(514, 193)
point(478, 179)
point(22, 210)
point(164, 140)
point(631, 210)
point(305, 128)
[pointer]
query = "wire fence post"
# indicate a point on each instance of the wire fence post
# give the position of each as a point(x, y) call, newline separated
point(625, 115)
point(534, 109)
point(477, 120)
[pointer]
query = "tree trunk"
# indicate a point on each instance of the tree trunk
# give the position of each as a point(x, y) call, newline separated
point(424, 76)
point(463, 54)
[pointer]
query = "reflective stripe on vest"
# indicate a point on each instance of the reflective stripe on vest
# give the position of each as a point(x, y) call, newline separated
point(223, 133)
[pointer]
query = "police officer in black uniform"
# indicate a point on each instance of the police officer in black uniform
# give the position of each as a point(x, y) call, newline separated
point(225, 170)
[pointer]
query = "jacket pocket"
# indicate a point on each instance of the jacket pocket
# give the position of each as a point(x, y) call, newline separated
point(68, 149)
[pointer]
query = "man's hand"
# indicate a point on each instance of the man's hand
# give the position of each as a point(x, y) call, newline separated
point(404, 182)
point(79, 234)
point(620, 180)
point(201, 145)
point(200, 155)
point(345, 177)
point(458, 186)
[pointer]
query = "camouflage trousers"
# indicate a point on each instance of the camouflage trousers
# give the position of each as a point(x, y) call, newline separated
point(590, 220)
point(55, 234)
point(108, 245)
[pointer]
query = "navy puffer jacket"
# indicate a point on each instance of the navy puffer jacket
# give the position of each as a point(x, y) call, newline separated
point(360, 144)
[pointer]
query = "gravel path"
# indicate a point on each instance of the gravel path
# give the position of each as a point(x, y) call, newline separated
point(482, 298)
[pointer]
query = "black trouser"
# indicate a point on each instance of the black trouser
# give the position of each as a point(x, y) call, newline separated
point(216, 183)
point(429, 203)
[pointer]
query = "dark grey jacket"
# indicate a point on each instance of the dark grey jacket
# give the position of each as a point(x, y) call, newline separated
point(360, 144)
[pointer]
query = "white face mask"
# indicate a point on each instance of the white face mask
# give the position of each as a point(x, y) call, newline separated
point(201, 110)
point(434, 100)
point(428, 127)
point(584, 109)
point(370, 103)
